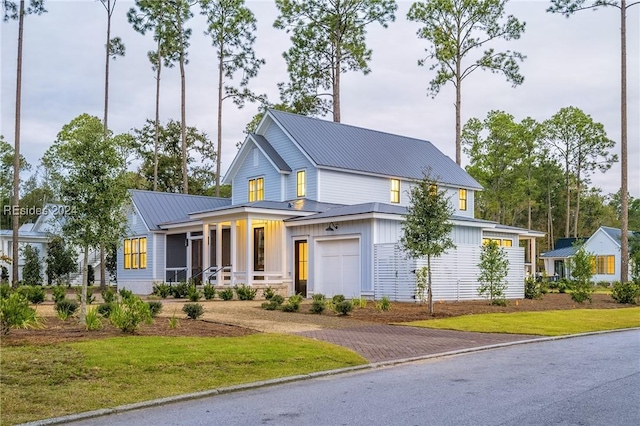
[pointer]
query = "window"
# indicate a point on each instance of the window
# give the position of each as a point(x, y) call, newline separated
point(507, 243)
point(395, 190)
point(258, 249)
point(135, 253)
point(462, 201)
point(256, 189)
point(498, 241)
point(301, 184)
point(606, 265)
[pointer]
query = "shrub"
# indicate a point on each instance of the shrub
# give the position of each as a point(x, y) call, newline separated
point(564, 284)
point(293, 304)
point(33, 293)
point(343, 307)
point(105, 309)
point(15, 312)
point(154, 308)
point(628, 292)
point(193, 310)
point(90, 297)
point(59, 293)
point(532, 288)
point(130, 313)
point(359, 302)
point(318, 304)
point(226, 294)
point(274, 303)
point(66, 308)
point(125, 294)
point(5, 290)
point(32, 269)
point(245, 292)
point(193, 294)
point(180, 290)
point(268, 293)
point(162, 290)
point(109, 295)
point(209, 291)
point(384, 304)
point(92, 320)
point(338, 298)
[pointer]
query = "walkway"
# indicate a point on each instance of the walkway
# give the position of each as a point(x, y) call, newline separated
point(379, 343)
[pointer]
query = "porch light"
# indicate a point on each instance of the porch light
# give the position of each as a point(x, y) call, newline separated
point(332, 227)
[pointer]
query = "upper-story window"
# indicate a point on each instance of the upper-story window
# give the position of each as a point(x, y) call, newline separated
point(256, 189)
point(395, 190)
point(301, 183)
point(462, 200)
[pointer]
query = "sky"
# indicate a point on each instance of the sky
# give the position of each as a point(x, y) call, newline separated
point(570, 62)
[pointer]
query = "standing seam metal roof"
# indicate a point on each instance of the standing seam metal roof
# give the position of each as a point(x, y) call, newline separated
point(347, 147)
point(270, 152)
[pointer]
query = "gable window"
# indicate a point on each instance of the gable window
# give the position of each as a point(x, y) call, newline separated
point(135, 253)
point(395, 190)
point(462, 199)
point(301, 183)
point(256, 189)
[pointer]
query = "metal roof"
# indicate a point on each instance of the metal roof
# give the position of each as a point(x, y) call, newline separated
point(615, 233)
point(561, 252)
point(354, 210)
point(340, 146)
point(163, 207)
point(270, 152)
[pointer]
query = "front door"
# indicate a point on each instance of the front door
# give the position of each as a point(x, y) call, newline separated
point(196, 261)
point(302, 267)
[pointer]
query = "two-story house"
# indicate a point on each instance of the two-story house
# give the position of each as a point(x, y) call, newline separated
point(316, 207)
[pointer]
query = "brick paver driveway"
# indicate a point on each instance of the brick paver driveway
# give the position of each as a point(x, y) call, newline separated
point(379, 343)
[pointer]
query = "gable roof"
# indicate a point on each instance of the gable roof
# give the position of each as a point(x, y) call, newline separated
point(270, 152)
point(163, 207)
point(614, 233)
point(560, 252)
point(340, 146)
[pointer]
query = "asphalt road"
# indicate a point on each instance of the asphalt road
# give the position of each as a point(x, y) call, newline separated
point(591, 380)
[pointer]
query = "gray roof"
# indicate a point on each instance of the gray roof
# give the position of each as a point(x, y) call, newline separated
point(561, 252)
point(163, 207)
point(615, 233)
point(354, 210)
point(271, 152)
point(341, 146)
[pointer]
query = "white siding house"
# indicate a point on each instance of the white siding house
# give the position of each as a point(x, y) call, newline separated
point(316, 207)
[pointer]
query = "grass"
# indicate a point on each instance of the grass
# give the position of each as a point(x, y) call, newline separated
point(46, 381)
point(547, 323)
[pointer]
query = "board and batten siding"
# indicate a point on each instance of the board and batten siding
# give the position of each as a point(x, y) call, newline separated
point(296, 160)
point(600, 244)
point(353, 228)
point(256, 165)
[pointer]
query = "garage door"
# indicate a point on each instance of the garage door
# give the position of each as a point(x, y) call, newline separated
point(337, 268)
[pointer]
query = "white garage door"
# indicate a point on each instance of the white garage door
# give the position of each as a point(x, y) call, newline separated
point(337, 268)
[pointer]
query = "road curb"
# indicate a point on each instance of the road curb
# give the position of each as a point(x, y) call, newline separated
point(283, 380)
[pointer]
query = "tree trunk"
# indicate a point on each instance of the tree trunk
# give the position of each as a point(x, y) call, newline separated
point(183, 113)
point(15, 211)
point(219, 151)
point(429, 292)
point(549, 220)
point(624, 201)
point(458, 118)
point(568, 218)
point(85, 276)
point(336, 86)
point(105, 125)
point(157, 136)
point(575, 219)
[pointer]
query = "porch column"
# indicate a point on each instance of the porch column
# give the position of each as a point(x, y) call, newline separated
point(534, 257)
point(234, 264)
point(285, 253)
point(249, 254)
point(219, 275)
point(205, 251)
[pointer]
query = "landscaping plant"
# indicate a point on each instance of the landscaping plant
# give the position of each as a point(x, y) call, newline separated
point(628, 292)
point(581, 273)
point(244, 292)
point(92, 320)
point(180, 290)
point(109, 295)
point(162, 290)
point(193, 310)
point(15, 312)
point(129, 313)
point(359, 302)
point(193, 294)
point(383, 304)
point(494, 267)
point(268, 293)
point(66, 308)
point(58, 293)
point(273, 303)
point(105, 309)
point(209, 291)
point(173, 321)
point(154, 307)
point(340, 305)
point(532, 288)
point(293, 304)
point(125, 294)
point(33, 293)
point(318, 303)
point(226, 294)
point(90, 297)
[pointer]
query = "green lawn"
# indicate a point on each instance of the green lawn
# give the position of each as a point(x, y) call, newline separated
point(547, 323)
point(46, 381)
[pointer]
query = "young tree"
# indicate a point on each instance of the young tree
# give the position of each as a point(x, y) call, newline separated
point(455, 28)
point(90, 173)
point(581, 145)
point(494, 267)
point(231, 26)
point(14, 11)
point(32, 269)
point(426, 230)
point(328, 40)
point(581, 267)
point(568, 8)
point(153, 15)
point(61, 260)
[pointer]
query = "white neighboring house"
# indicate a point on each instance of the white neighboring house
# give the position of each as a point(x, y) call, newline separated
point(38, 235)
point(316, 207)
point(604, 244)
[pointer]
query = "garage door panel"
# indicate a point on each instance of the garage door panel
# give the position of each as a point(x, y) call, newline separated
point(338, 268)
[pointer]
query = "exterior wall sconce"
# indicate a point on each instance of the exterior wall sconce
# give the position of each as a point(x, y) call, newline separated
point(332, 227)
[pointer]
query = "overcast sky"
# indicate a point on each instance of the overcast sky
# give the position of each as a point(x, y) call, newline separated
point(570, 62)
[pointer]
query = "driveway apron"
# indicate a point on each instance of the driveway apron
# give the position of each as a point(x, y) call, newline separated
point(379, 343)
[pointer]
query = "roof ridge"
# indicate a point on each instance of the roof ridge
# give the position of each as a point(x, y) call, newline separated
point(209, 197)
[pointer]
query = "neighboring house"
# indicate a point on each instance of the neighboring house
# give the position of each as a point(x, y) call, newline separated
point(604, 245)
point(316, 207)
